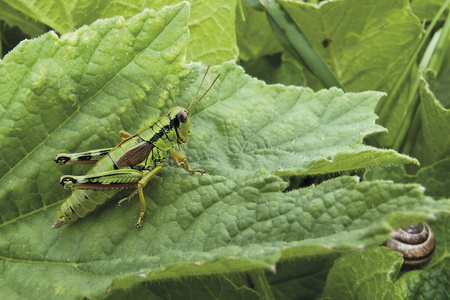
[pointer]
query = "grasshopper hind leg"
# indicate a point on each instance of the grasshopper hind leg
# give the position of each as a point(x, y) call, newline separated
point(148, 175)
point(81, 158)
point(115, 179)
point(67, 181)
point(87, 157)
point(140, 189)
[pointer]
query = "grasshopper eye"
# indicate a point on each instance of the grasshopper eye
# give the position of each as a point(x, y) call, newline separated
point(182, 116)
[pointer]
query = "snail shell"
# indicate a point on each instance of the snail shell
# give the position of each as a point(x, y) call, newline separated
point(415, 242)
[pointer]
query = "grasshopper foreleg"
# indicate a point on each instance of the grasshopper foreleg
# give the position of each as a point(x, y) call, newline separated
point(181, 161)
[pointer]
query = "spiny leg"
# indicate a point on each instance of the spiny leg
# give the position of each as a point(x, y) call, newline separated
point(181, 161)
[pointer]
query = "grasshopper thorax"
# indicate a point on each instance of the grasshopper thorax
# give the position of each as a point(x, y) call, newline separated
point(181, 120)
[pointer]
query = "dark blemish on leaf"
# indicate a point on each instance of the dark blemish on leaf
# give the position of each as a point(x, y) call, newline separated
point(326, 42)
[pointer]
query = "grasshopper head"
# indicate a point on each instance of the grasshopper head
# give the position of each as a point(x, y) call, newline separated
point(180, 118)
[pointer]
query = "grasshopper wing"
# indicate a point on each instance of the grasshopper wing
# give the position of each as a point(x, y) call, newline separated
point(135, 155)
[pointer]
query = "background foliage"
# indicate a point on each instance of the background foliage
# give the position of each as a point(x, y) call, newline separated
point(280, 212)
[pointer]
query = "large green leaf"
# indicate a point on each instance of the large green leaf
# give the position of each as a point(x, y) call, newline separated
point(74, 93)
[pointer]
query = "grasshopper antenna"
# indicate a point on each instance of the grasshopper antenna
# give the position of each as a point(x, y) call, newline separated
point(194, 103)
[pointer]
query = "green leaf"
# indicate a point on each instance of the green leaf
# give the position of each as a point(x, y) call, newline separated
point(365, 43)
point(59, 88)
point(74, 93)
point(302, 278)
point(427, 9)
point(367, 274)
point(230, 286)
point(267, 127)
point(65, 16)
point(441, 88)
point(213, 38)
point(254, 35)
point(433, 139)
point(436, 179)
point(13, 17)
point(395, 173)
point(213, 35)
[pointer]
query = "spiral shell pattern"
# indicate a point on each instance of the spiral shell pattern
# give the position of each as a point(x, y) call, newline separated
point(415, 242)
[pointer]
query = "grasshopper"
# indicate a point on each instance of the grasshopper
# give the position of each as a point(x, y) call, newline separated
point(130, 164)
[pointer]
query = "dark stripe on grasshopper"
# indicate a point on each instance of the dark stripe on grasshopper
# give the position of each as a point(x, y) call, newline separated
point(104, 186)
point(90, 156)
point(113, 162)
point(61, 159)
point(85, 157)
point(98, 179)
point(175, 122)
point(66, 179)
point(81, 162)
point(161, 132)
point(104, 152)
